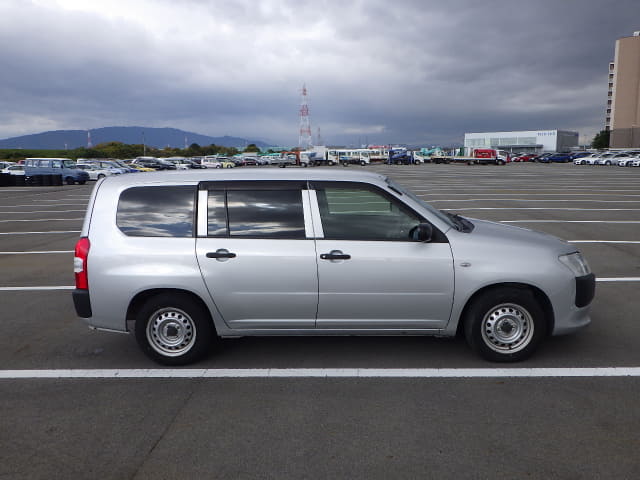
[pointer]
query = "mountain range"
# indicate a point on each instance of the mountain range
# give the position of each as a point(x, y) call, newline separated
point(155, 137)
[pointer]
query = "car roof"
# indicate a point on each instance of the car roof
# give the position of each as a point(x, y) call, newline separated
point(242, 174)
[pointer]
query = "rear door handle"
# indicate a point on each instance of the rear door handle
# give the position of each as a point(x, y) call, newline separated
point(221, 254)
point(335, 255)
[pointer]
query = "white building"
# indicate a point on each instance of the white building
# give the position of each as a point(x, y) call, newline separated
point(533, 141)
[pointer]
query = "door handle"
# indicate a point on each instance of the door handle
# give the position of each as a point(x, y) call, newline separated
point(221, 254)
point(335, 255)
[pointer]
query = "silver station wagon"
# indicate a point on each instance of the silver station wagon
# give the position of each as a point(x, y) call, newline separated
point(182, 257)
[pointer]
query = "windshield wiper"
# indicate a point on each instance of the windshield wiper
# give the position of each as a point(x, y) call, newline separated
point(461, 223)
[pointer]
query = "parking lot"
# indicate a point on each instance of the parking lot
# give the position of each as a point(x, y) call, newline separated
point(83, 404)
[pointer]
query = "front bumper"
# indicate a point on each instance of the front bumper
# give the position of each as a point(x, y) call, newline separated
point(585, 290)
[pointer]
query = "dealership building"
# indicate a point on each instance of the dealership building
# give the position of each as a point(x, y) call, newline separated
point(623, 103)
point(532, 141)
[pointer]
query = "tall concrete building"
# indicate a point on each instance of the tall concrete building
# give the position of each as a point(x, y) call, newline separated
point(623, 102)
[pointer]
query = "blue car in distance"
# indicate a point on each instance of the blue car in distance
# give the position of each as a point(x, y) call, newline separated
point(557, 158)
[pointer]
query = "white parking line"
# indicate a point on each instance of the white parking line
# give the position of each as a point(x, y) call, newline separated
point(31, 205)
point(36, 252)
point(569, 221)
point(604, 241)
point(619, 279)
point(519, 195)
point(43, 220)
point(325, 373)
point(572, 209)
point(457, 200)
point(32, 289)
point(39, 233)
point(46, 211)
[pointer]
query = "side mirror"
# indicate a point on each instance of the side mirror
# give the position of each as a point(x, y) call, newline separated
point(421, 233)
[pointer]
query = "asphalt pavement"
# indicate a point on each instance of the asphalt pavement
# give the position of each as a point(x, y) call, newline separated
point(108, 412)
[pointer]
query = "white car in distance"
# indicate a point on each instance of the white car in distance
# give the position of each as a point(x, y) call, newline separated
point(588, 160)
point(97, 172)
point(13, 169)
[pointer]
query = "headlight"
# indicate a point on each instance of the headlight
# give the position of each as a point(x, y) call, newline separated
point(576, 263)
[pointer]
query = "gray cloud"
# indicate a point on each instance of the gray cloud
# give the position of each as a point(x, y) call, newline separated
point(411, 71)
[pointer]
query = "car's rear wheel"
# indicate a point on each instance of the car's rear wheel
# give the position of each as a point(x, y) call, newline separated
point(173, 329)
point(505, 324)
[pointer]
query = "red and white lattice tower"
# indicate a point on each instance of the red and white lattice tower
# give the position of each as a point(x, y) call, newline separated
point(304, 140)
point(89, 144)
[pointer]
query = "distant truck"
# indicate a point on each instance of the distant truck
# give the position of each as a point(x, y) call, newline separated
point(483, 156)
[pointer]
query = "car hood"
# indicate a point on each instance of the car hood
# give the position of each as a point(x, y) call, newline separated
point(494, 236)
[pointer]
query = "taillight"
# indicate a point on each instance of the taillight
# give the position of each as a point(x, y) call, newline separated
point(80, 263)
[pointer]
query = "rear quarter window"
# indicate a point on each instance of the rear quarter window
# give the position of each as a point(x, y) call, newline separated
point(157, 211)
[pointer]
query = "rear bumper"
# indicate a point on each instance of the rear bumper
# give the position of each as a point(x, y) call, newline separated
point(82, 303)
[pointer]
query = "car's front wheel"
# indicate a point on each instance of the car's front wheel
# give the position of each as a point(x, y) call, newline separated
point(173, 329)
point(505, 324)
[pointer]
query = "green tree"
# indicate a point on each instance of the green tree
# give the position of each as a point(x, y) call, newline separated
point(601, 140)
point(252, 148)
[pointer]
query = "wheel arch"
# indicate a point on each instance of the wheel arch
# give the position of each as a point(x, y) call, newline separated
point(138, 301)
point(539, 296)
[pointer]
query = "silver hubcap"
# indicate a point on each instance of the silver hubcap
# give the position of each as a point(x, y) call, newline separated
point(171, 332)
point(507, 328)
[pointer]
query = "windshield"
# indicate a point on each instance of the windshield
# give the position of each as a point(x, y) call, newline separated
point(441, 215)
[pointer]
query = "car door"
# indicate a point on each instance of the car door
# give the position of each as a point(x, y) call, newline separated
point(257, 254)
point(372, 275)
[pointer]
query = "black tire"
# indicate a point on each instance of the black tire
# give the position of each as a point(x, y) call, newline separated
point(101, 175)
point(69, 180)
point(330, 163)
point(505, 324)
point(174, 329)
point(81, 182)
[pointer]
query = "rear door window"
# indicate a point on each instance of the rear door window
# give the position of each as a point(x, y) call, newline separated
point(157, 211)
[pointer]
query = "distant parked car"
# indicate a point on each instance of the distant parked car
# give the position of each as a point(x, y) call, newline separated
point(97, 172)
point(193, 164)
point(56, 166)
point(558, 158)
point(13, 169)
point(110, 165)
point(543, 157)
point(605, 159)
point(217, 162)
point(527, 157)
point(587, 160)
point(575, 155)
point(627, 161)
point(155, 163)
point(246, 162)
point(179, 162)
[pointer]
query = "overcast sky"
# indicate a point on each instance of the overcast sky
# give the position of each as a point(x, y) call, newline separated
point(382, 71)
